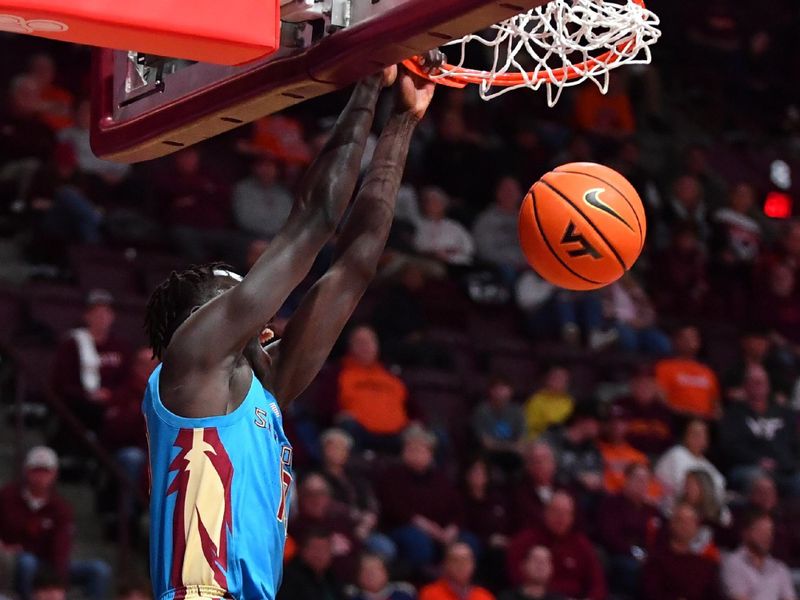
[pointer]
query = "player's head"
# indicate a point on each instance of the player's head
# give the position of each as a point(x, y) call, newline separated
point(179, 296)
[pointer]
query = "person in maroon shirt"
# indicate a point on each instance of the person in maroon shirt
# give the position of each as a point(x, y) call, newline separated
point(536, 486)
point(649, 421)
point(626, 524)
point(777, 307)
point(419, 506)
point(673, 571)
point(90, 362)
point(36, 525)
point(577, 570)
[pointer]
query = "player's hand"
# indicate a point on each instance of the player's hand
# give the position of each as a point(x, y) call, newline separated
point(414, 93)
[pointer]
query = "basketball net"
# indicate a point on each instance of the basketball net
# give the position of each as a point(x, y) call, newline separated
point(557, 45)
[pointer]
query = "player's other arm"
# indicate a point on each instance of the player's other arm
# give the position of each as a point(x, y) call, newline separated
point(218, 332)
point(323, 313)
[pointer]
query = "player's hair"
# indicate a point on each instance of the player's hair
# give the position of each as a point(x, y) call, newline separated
point(176, 298)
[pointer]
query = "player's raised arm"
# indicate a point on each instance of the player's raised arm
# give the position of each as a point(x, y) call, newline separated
point(323, 313)
point(217, 332)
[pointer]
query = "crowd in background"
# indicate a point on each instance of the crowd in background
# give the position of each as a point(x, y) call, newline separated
point(477, 433)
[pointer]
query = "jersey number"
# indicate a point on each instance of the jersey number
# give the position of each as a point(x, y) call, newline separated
point(286, 480)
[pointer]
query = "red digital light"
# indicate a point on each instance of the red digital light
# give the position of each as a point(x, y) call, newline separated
point(778, 205)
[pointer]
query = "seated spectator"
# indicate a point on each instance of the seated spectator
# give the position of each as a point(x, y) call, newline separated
point(577, 571)
point(456, 581)
point(280, 136)
point(551, 405)
point(499, 423)
point(372, 401)
point(680, 278)
point(536, 487)
point(418, 504)
point(776, 308)
point(686, 206)
point(762, 498)
point(690, 386)
point(689, 455)
point(261, 203)
point(698, 492)
point(56, 102)
point(439, 236)
point(737, 235)
point(495, 230)
point(627, 523)
point(197, 211)
point(755, 349)
point(605, 115)
point(536, 574)
point(751, 572)
point(346, 484)
point(37, 526)
point(486, 517)
point(90, 362)
point(308, 576)
point(649, 422)
point(580, 464)
point(23, 135)
point(618, 454)
point(758, 436)
point(373, 582)
point(350, 532)
point(673, 571)
point(48, 586)
point(630, 310)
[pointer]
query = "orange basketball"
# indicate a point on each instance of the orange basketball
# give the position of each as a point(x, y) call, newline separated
point(582, 226)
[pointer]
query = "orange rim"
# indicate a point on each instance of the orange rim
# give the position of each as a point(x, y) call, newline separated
point(460, 77)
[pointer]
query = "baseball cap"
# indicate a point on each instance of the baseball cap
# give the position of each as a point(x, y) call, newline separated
point(99, 296)
point(41, 457)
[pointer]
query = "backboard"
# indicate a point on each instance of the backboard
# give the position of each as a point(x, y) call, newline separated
point(146, 106)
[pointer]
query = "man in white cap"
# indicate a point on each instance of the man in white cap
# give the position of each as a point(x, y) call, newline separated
point(36, 528)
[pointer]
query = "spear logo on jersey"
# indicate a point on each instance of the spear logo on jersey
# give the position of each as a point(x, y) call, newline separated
point(202, 519)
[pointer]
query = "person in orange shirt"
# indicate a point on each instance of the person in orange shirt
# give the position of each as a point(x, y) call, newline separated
point(456, 580)
point(690, 387)
point(371, 400)
point(619, 455)
point(57, 103)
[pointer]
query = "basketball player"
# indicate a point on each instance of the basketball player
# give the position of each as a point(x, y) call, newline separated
point(220, 462)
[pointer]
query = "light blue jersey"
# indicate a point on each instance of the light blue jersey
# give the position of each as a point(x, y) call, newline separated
point(218, 499)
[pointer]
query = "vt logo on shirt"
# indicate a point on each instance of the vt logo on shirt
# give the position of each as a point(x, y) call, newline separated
point(764, 428)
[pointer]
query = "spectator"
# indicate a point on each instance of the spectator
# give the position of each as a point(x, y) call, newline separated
point(90, 362)
point(738, 234)
point(755, 349)
point(697, 165)
point(686, 207)
point(418, 504)
point(308, 576)
point(751, 572)
point(698, 491)
point(605, 115)
point(437, 235)
point(56, 102)
point(536, 574)
point(278, 136)
point(552, 404)
point(373, 582)
point(372, 401)
point(618, 454)
point(261, 203)
point(674, 571)
point(346, 485)
point(495, 230)
point(134, 590)
point(759, 437)
point(499, 423)
point(689, 455)
point(627, 523)
point(648, 420)
point(776, 309)
point(537, 485)
point(36, 525)
point(48, 586)
point(690, 386)
point(580, 463)
point(679, 275)
point(318, 511)
point(22, 134)
point(634, 318)
point(762, 498)
point(197, 211)
point(486, 516)
point(456, 581)
point(577, 571)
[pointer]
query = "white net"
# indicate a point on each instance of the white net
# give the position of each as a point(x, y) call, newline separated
point(560, 44)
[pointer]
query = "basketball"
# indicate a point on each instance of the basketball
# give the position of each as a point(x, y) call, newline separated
point(581, 226)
